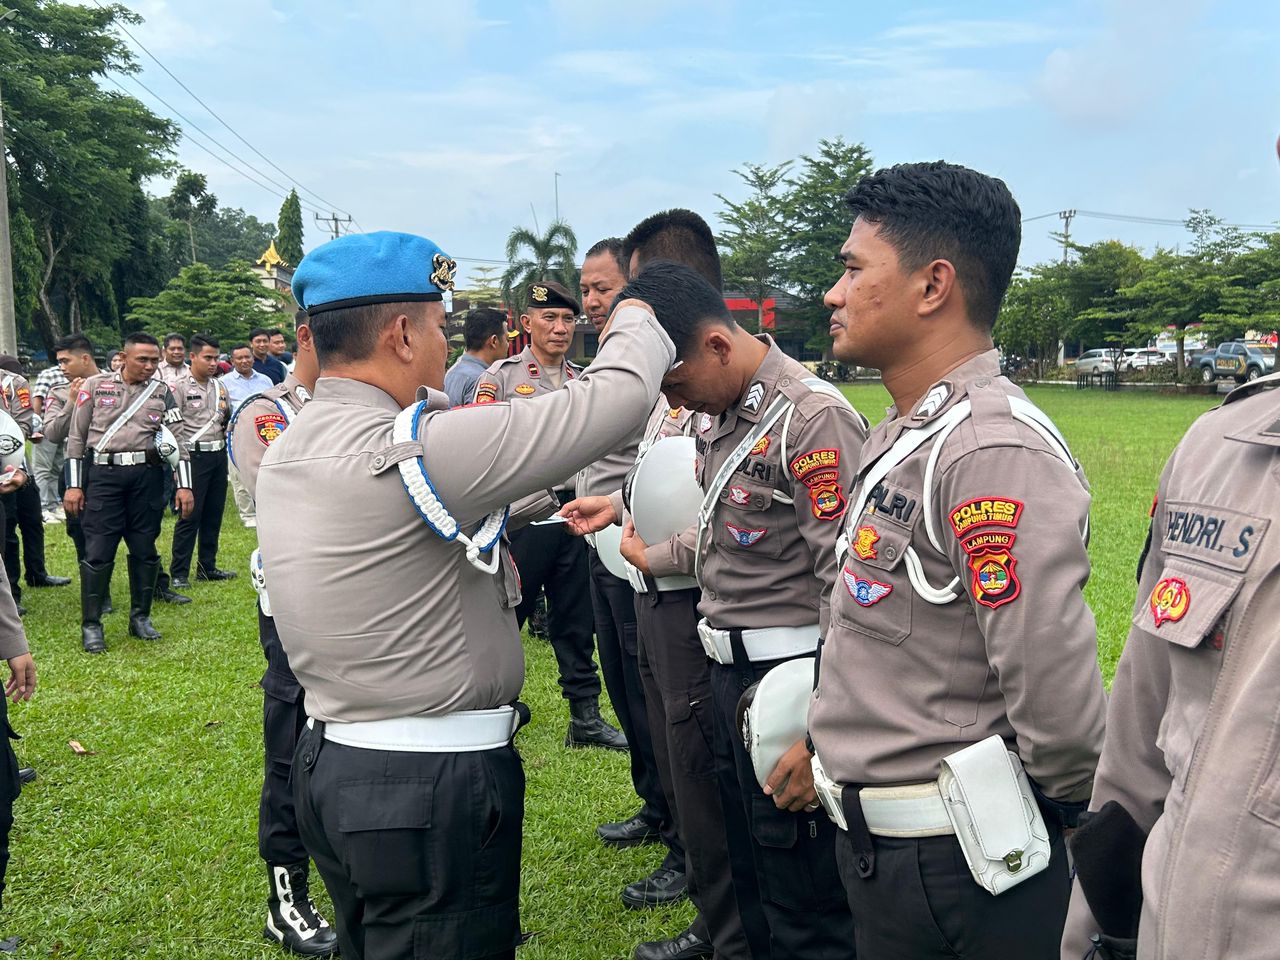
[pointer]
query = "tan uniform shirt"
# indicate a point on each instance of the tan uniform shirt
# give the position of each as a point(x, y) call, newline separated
point(205, 409)
point(259, 421)
point(1193, 727)
point(16, 393)
point(769, 552)
point(381, 617)
point(13, 638)
point(904, 682)
point(171, 374)
point(57, 413)
point(106, 397)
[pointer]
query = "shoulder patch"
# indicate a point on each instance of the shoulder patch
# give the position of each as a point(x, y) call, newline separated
point(805, 466)
point(994, 581)
point(486, 393)
point(985, 512)
point(24, 398)
point(269, 426)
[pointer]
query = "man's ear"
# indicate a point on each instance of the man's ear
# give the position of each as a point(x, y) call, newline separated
point(716, 339)
point(524, 322)
point(937, 285)
point(399, 337)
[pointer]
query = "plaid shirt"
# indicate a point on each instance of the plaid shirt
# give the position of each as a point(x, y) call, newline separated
point(49, 378)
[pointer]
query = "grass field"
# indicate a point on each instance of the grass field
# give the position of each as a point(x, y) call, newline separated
point(147, 848)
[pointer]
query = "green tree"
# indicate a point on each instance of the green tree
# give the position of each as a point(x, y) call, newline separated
point(226, 302)
point(189, 201)
point(817, 225)
point(531, 257)
point(289, 241)
point(485, 288)
point(77, 151)
point(755, 235)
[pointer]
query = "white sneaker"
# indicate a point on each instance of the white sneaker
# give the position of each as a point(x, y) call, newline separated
point(50, 517)
point(251, 522)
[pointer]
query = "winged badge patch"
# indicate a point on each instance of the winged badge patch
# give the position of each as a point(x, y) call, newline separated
point(745, 538)
point(865, 592)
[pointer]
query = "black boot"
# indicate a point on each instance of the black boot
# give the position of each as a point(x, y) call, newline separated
point(142, 589)
point(588, 729)
point(292, 919)
point(93, 587)
point(107, 605)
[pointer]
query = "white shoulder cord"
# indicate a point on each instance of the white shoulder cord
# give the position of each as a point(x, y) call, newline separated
point(817, 385)
point(740, 452)
point(413, 473)
point(1022, 411)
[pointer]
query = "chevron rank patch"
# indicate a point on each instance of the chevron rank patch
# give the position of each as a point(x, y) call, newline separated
point(269, 426)
point(938, 394)
point(755, 397)
point(744, 537)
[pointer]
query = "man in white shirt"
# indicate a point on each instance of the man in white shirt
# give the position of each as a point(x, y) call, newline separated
point(242, 383)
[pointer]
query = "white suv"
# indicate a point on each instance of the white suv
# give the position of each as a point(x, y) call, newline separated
point(1095, 361)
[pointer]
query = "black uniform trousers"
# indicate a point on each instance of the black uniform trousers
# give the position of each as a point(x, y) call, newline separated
point(23, 514)
point(10, 787)
point(921, 901)
point(122, 503)
point(283, 717)
point(420, 852)
point(677, 685)
point(794, 853)
point(209, 487)
point(615, 617)
point(549, 558)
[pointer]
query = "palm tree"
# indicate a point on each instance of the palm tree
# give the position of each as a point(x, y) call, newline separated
point(532, 257)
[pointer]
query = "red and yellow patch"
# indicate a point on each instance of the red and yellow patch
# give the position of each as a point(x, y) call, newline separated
point(985, 512)
point(990, 540)
point(526, 389)
point(864, 542)
point(533, 370)
point(82, 397)
point(269, 426)
point(1170, 600)
point(24, 398)
point(807, 464)
point(827, 499)
point(994, 581)
point(761, 447)
point(486, 393)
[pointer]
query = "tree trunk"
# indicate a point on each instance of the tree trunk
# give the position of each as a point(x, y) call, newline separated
point(46, 318)
point(73, 314)
point(760, 315)
point(191, 232)
point(1182, 353)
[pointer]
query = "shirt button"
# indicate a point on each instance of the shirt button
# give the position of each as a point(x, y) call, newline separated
point(759, 501)
point(890, 553)
point(379, 460)
point(715, 446)
point(785, 381)
point(864, 864)
point(984, 382)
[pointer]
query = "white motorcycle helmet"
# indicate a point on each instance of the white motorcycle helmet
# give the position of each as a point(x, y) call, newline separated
point(13, 443)
point(167, 445)
point(663, 491)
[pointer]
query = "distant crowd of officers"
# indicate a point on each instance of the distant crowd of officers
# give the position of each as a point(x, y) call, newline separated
point(858, 682)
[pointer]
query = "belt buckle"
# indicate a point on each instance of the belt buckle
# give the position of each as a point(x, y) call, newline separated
point(829, 794)
point(710, 645)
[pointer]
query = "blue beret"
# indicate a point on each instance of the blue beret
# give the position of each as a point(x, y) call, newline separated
point(363, 268)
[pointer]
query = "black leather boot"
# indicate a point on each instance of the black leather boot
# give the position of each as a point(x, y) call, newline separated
point(142, 589)
point(292, 919)
point(588, 729)
point(94, 582)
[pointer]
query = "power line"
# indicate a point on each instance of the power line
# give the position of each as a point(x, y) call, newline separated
point(1151, 221)
point(213, 113)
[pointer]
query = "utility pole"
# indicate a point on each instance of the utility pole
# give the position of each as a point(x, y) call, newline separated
point(557, 195)
point(332, 223)
point(8, 321)
point(1065, 216)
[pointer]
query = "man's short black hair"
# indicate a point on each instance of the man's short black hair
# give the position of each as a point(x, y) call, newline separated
point(350, 334)
point(300, 318)
point(202, 340)
point(941, 211)
point(170, 337)
point(238, 346)
point(680, 236)
point(141, 337)
point(257, 332)
point(682, 300)
point(73, 343)
point(613, 247)
point(481, 324)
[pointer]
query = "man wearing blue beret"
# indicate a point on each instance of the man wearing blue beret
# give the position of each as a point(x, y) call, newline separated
point(397, 610)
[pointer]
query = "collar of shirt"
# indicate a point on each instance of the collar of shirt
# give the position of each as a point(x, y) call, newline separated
point(761, 389)
point(345, 390)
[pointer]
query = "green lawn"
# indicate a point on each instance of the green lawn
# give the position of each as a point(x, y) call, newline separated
point(148, 847)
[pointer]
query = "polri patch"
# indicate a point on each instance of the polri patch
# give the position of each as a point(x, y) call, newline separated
point(1170, 600)
point(807, 464)
point(269, 426)
point(990, 540)
point(985, 512)
point(525, 389)
point(827, 500)
point(864, 542)
point(745, 537)
point(865, 592)
point(994, 581)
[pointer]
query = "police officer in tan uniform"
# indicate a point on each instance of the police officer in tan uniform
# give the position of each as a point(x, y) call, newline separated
point(202, 398)
point(292, 918)
point(114, 478)
point(20, 686)
point(548, 557)
point(957, 613)
point(409, 793)
point(1193, 735)
point(776, 450)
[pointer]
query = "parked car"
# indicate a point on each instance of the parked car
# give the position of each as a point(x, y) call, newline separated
point(1141, 359)
point(1096, 361)
point(1236, 360)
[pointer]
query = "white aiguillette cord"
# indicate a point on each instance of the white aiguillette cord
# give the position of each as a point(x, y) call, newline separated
point(413, 473)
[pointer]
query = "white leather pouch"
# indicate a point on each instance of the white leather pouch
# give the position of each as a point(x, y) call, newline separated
point(995, 815)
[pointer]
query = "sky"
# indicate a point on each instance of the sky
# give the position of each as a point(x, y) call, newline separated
point(452, 119)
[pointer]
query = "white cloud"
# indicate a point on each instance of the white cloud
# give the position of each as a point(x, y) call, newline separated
point(968, 34)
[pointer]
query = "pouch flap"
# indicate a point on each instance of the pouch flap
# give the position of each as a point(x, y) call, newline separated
point(1186, 602)
point(983, 778)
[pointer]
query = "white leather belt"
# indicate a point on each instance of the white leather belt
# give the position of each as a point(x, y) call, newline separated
point(207, 446)
point(121, 459)
point(459, 732)
point(765, 643)
point(912, 811)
